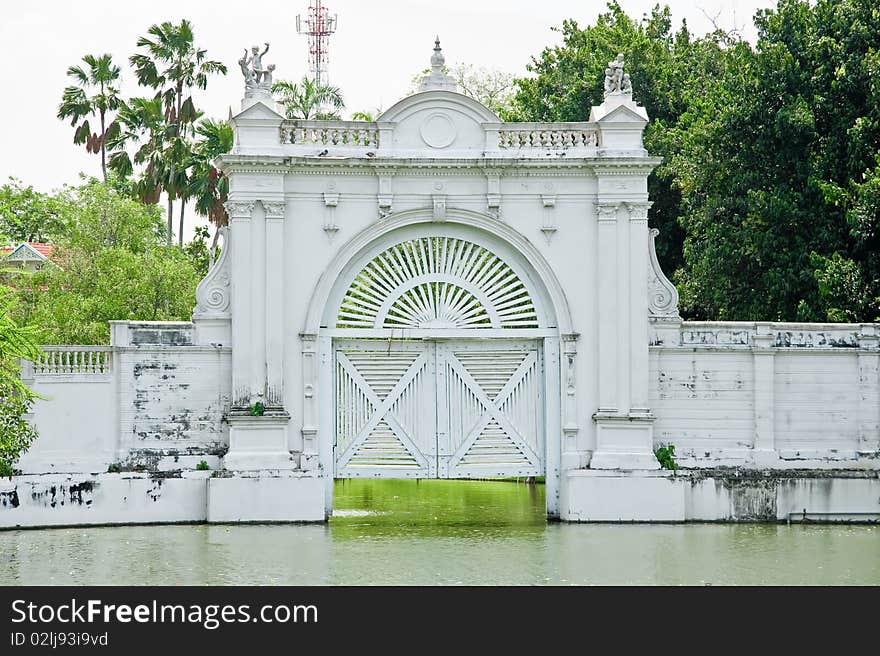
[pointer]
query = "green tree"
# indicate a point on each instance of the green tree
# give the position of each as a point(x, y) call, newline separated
point(173, 66)
point(778, 168)
point(16, 342)
point(142, 128)
point(113, 264)
point(209, 186)
point(666, 68)
point(308, 100)
point(492, 87)
point(100, 80)
point(29, 215)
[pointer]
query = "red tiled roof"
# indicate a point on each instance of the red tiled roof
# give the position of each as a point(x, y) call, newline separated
point(42, 248)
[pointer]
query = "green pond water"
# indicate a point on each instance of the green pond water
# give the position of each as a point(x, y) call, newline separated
point(444, 532)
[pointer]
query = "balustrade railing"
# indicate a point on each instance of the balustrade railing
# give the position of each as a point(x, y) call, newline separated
point(500, 136)
point(559, 136)
point(355, 134)
point(56, 360)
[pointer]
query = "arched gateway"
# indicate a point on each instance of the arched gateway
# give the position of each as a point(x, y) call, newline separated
point(406, 298)
point(439, 334)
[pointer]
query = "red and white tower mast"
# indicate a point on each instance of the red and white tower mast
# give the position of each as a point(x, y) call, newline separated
point(319, 26)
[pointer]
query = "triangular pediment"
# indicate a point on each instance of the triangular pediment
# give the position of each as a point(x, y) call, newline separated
point(26, 253)
point(258, 111)
point(618, 111)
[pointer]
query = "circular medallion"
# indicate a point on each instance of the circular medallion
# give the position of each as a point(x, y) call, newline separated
point(438, 131)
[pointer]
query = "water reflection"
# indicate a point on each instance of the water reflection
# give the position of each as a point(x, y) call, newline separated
point(443, 532)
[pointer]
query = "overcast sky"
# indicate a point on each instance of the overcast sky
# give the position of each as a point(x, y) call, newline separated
point(378, 47)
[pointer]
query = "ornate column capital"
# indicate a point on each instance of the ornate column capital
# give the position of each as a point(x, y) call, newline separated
point(274, 208)
point(638, 211)
point(607, 211)
point(240, 209)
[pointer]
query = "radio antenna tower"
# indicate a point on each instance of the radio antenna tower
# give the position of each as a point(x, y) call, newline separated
point(319, 26)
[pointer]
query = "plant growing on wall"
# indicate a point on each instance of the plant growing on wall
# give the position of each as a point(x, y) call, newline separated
point(666, 456)
point(257, 409)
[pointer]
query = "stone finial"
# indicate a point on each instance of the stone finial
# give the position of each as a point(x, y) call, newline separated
point(616, 81)
point(437, 78)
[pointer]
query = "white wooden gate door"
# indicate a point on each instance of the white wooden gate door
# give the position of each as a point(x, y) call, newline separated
point(490, 409)
point(439, 408)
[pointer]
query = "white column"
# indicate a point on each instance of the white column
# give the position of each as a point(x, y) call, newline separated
point(274, 302)
point(606, 302)
point(624, 424)
point(311, 386)
point(638, 304)
point(869, 390)
point(553, 424)
point(240, 213)
point(763, 341)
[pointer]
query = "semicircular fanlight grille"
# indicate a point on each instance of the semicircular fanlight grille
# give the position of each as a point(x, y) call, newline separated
point(437, 282)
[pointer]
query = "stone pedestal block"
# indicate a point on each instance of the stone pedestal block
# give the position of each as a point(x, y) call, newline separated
point(624, 442)
point(257, 443)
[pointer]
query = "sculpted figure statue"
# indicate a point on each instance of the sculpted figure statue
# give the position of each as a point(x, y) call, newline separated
point(257, 61)
point(616, 81)
point(250, 80)
point(256, 77)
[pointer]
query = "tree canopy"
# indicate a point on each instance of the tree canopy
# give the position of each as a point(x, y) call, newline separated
point(112, 263)
point(768, 198)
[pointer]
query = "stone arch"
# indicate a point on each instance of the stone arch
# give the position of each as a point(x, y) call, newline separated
point(546, 298)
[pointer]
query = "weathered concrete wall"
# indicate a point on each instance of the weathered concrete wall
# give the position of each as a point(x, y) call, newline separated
point(58, 500)
point(152, 400)
point(767, 394)
point(144, 498)
point(76, 420)
point(723, 495)
point(172, 398)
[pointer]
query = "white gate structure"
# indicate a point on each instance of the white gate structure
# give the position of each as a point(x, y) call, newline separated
point(439, 293)
point(406, 297)
point(438, 408)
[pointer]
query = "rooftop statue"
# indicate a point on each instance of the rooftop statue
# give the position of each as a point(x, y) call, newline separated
point(616, 81)
point(256, 77)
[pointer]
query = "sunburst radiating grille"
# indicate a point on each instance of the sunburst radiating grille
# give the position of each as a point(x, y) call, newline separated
point(437, 282)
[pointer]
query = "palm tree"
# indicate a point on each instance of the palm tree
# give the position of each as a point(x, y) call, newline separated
point(306, 99)
point(76, 104)
point(173, 65)
point(368, 115)
point(209, 185)
point(143, 128)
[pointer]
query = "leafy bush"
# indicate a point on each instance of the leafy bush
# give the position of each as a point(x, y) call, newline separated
point(666, 456)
